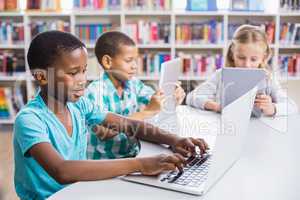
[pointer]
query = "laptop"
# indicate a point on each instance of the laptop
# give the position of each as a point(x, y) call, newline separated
point(202, 172)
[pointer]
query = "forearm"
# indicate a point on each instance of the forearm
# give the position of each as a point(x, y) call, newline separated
point(73, 171)
point(142, 115)
point(140, 129)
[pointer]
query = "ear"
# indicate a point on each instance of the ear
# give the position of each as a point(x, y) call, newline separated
point(106, 62)
point(40, 76)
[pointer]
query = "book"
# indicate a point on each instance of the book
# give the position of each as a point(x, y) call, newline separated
point(267, 26)
point(11, 4)
point(97, 4)
point(200, 64)
point(90, 32)
point(143, 32)
point(289, 33)
point(289, 64)
point(6, 107)
point(11, 63)
point(44, 5)
point(288, 5)
point(39, 26)
point(148, 4)
point(201, 5)
point(206, 32)
point(11, 32)
point(149, 63)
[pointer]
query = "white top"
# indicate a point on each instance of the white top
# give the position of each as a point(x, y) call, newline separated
point(210, 90)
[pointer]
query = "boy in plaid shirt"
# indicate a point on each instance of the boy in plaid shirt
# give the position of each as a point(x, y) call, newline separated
point(118, 91)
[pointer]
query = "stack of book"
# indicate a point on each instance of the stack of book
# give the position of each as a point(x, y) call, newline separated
point(290, 5)
point(45, 5)
point(6, 108)
point(289, 33)
point(143, 32)
point(149, 63)
point(41, 26)
point(148, 4)
point(11, 63)
point(8, 5)
point(289, 64)
point(90, 32)
point(11, 32)
point(210, 32)
point(97, 4)
point(200, 64)
point(268, 27)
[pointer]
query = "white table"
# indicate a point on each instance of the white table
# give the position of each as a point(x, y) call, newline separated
point(268, 169)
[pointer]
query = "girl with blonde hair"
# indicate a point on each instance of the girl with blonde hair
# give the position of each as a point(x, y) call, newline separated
point(249, 48)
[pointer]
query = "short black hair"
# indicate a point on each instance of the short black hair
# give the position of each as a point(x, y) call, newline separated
point(109, 42)
point(47, 46)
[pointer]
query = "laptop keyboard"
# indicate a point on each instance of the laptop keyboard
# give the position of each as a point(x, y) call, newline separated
point(193, 174)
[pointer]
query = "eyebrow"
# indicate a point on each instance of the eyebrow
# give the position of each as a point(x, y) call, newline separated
point(77, 67)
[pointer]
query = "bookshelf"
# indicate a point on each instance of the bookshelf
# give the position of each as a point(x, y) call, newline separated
point(119, 17)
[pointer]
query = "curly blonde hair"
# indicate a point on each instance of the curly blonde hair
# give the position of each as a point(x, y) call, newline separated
point(248, 34)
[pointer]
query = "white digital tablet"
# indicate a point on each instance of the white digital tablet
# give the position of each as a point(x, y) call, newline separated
point(170, 72)
point(238, 81)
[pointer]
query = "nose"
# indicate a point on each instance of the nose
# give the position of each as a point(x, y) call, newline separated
point(134, 65)
point(247, 64)
point(82, 79)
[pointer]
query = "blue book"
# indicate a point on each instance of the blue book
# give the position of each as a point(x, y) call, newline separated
point(201, 5)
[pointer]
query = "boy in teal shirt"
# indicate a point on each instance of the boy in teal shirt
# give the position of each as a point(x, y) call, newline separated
point(50, 131)
point(118, 91)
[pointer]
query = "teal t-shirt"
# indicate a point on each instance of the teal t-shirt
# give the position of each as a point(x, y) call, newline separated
point(35, 124)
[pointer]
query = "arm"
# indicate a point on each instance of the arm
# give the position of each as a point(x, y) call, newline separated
point(150, 133)
point(69, 171)
point(205, 92)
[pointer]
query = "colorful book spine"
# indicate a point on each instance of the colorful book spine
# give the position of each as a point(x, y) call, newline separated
point(268, 27)
point(97, 4)
point(90, 32)
point(11, 63)
point(150, 63)
point(210, 32)
point(148, 4)
point(143, 32)
point(44, 5)
point(11, 32)
point(289, 64)
point(41, 26)
point(200, 64)
point(288, 5)
point(6, 108)
point(289, 33)
point(8, 5)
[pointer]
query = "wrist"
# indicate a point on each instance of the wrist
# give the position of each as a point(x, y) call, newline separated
point(137, 164)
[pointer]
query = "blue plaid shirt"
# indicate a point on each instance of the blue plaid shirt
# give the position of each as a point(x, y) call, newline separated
point(104, 94)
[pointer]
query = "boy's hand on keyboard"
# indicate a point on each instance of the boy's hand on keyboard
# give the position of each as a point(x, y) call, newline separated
point(187, 146)
point(157, 164)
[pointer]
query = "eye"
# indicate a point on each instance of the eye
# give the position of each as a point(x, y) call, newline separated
point(241, 57)
point(73, 73)
point(253, 59)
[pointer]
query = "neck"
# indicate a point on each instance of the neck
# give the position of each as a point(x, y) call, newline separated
point(52, 103)
point(117, 83)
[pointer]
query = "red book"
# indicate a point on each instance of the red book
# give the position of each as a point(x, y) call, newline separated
point(298, 64)
point(154, 31)
point(2, 4)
